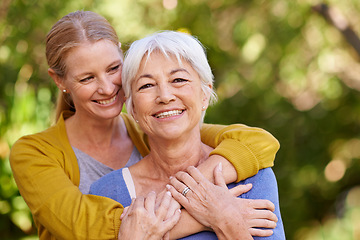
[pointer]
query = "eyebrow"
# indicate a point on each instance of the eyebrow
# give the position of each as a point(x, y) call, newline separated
point(84, 74)
point(178, 70)
point(172, 72)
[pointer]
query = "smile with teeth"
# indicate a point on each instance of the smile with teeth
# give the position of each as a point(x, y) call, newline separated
point(168, 113)
point(104, 102)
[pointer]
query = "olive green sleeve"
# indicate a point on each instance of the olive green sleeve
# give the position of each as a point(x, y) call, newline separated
point(249, 149)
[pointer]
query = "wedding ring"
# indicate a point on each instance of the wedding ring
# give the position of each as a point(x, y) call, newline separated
point(185, 191)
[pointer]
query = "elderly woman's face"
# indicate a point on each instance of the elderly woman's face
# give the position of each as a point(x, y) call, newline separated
point(167, 97)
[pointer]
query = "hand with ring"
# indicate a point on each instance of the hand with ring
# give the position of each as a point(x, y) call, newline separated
point(185, 191)
point(213, 204)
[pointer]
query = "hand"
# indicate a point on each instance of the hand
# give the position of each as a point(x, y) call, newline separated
point(174, 205)
point(209, 203)
point(143, 221)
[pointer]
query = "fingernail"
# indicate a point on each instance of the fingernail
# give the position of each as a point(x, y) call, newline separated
point(167, 186)
point(220, 167)
point(179, 210)
point(168, 193)
point(170, 177)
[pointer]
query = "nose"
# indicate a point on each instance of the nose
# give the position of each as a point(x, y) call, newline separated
point(106, 86)
point(165, 95)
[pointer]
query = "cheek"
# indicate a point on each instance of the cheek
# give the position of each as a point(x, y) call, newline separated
point(82, 91)
point(117, 78)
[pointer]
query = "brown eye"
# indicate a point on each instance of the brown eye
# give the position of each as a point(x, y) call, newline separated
point(115, 68)
point(177, 80)
point(86, 79)
point(145, 86)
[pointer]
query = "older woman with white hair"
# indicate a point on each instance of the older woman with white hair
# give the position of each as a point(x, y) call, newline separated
point(168, 85)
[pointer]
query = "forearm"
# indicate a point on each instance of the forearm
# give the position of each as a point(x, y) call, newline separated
point(186, 226)
point(232, 230)
point(59, 209)
point(207, 168)
point(249, 149)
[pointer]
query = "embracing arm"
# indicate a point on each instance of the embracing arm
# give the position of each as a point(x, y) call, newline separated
point(217, 207)
point(48, 182)
point(248, 149)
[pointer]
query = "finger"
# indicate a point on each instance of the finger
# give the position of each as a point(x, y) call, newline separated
point(166, 236)
point(161, 212)
point(240, 189)
point(138, 204)
point(174, 205)
point(124, 213)
point(178, 196)
point(186, 179)
point(196, 181)
point(218, 176)
point(195, 175)
point(265, 214)
point(131, 207)
point(149, 202)
point(263, 204)
point(260, 232)
point(170, 223)
point(262, 223)
point(178, 184)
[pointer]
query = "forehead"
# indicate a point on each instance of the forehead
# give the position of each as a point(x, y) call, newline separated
point(88, 55)
point(161, 60)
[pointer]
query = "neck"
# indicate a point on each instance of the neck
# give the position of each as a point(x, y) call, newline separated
point(170, 157)
point(95, 132)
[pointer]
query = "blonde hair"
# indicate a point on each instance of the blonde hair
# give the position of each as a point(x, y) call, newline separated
point(69, 32)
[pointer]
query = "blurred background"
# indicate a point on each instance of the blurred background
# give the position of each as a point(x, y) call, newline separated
point(290, 67)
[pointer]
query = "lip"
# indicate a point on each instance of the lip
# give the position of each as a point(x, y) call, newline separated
point(168, 113)
point(108, 101)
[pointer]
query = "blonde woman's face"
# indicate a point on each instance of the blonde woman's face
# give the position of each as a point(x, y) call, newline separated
point(93, 79)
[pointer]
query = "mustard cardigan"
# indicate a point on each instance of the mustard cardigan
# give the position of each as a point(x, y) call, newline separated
point(47, 174)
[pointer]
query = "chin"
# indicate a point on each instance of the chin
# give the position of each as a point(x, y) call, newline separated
point(110, 114)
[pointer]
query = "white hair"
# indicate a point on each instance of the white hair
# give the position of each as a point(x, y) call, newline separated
point(181, 45)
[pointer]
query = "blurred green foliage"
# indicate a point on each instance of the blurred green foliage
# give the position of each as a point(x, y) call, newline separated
point(278, 65)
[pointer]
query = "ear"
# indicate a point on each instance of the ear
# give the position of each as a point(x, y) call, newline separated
point(206, 97)
point(58, 80)
point(133, 112)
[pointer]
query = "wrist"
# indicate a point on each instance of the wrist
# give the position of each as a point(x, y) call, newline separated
point(230, 226)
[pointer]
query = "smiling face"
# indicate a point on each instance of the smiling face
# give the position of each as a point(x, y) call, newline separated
point(93, 79)
point(167, 97)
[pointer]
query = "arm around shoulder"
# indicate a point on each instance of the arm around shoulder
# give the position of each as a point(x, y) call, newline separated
point(265, 187)
point(249, 149)
point(47, 177)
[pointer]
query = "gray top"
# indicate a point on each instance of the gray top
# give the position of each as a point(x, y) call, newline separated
point(91, 169)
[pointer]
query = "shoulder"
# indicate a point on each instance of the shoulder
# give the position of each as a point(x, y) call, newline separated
point(113, 186)
point(50, 145)
point(53, 135)
point(264, 185)
point(109, 180)
point(51, 139)
point(108, 184)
